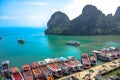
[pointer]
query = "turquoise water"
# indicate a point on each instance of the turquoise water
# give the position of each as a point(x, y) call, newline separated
point(39, 46)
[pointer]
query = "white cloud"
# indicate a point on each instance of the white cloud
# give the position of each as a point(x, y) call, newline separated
point(106, 6)
point(8, 17)
point(37, 3)
point(35, 20)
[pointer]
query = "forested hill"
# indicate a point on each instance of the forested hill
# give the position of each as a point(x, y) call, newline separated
point(91, 22)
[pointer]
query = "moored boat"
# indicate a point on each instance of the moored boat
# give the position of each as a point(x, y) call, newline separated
point(73, 43)
point(76, 62)
point(0, 72)
point(27, 73)
point(65, 69)
point(86, 61)
point(46, 71)
point(103, 56)
point(107, 54)
point(6, 69)
point(68, 63)
point(93, 59)
point(56, 70)
point(37, 73)
point(15, 73)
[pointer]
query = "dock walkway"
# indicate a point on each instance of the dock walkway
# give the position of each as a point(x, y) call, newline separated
point(100, 69)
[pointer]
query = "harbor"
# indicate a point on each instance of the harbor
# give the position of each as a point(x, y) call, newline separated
point(62, 68)
point(100, 69)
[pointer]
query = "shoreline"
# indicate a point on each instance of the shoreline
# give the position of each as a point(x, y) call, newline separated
point(81, 74)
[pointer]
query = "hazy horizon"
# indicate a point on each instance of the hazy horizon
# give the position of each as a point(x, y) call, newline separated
point(36, 13)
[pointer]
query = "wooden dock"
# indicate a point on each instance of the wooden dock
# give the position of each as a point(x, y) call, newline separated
point(100, 69)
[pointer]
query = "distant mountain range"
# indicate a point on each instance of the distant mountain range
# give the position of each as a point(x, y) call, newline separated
point(91, 22)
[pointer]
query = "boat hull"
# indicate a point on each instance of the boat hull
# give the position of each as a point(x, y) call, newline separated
point(86, 61)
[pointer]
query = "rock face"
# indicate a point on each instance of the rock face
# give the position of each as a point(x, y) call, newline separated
point(117, 14)
point(58, 23)
point(91, 22)
point(86, 22)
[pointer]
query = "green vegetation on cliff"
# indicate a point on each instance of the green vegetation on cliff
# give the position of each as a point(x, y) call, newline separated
point(91, 22)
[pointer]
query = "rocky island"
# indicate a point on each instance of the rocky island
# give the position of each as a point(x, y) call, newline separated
point(91, 22)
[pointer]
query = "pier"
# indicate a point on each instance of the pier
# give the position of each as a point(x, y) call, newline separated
point(92, 72)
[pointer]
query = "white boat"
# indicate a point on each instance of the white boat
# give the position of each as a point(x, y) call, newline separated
point(65, 69)
point(56, 70)
point(46, 71)
point(6, 69)
point(76, 62)
point(73, 43)
point(68, 63)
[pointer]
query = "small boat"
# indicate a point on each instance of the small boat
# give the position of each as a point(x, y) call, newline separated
point(56, 70)
point(46, 71)
point(37, 73)
point(21, 41)
point(93, 59)
point(15, 73)
point(0, 72)
point(0, 37)
point(73, 43)
point(68, 63)
point(101, 55)
point(65, 69)
point(6, 69)
point(76, 62)
point(86, 61)
point(27, 73)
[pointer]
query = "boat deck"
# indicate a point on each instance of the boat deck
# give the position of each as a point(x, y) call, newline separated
point(100, 69)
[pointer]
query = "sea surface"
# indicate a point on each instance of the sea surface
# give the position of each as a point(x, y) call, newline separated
point(39, 46)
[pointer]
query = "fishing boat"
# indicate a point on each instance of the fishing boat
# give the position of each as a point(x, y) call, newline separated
point(37, 73)
point(65, 69)
point(73, 43)
point(76, 62)
point(27, 73)
point(21, 41)
point(0, 37)
point(103, 55)
point(47, 73)
point(6, 69)
point(15, 73)
point(56, 70)
point(68, 63)
point(85, 61)
point(93, 59)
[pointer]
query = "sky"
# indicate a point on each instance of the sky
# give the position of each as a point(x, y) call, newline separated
point(36, 13)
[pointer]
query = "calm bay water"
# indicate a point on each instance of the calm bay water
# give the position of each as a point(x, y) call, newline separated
point(38, 46)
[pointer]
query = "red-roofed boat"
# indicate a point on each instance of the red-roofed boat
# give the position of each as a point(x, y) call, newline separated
point(15, 73)
point(46, 71)
point(27, 73)
point(56, 70)
point(36, 71)
point(86, 61)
